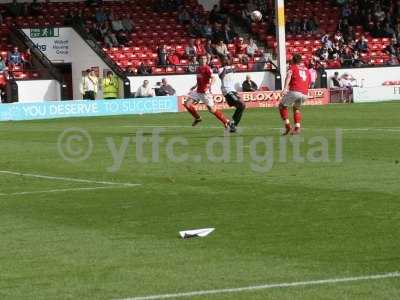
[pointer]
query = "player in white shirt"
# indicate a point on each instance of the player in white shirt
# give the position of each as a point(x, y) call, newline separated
point(226, 74)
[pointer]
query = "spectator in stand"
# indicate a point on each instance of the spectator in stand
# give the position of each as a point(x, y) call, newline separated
point(347, 58)
point(312, 25)
point(379, 13)
point(15, 8)
point(100, 16)
point(193, 65)
point(201, 50)
point(249, 85)
point(246, 17)
point(116, 23)
point(221, 50)
point(347, 81)
point(3, 66)
point(240, 50)
point(195, 28)
point(303, 25)
point(393, 60)
point(109, 37)
point(121, 38)
point(392, 48)
point(89, 85)
point(209, 48)
point(165, 89)
point(27, 59)
point(162, 54)
point(143, 69)
point(173, 58)
point(228, 34)
point(252, 49)
point(1, 19)
point(335, 63)
point(190, 50)
point(362, 45)
point(127, 23)
point(207, 30)
point(323, 53)
point(35, 8)
point(3, 84)
point(346, 11)
point(388, 31)
point(95, 32)
point(15, 58)
point(338, 38)
point(110, 86)
point(313, 75)
point(335, 81)
point(326, 41)
point(144, 90)
point(183, 16)
point(215, 15)
point(77, 19)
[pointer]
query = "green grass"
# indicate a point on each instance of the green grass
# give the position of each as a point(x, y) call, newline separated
point(297, 222)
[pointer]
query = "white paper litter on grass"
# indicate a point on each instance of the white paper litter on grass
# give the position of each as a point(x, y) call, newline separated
point(196, 233)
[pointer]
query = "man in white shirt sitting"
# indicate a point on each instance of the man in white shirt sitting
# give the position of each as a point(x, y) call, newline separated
point(145, 90)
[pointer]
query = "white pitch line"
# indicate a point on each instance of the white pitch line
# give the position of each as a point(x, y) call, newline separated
point(61, 190)
point(268, 286)
point(391, 129)
point(171, 126)
point(69, 179)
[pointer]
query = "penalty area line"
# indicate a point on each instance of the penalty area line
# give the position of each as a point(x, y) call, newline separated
point(268, 286)
point(68, 179)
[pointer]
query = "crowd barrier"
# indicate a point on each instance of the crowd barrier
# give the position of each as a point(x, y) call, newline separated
point(87, 108)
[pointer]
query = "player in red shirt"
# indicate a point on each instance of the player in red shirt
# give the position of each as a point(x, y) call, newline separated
point(295, 92)
point(202, 92)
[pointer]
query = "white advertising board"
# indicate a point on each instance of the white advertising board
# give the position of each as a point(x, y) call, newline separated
point(31, 91)
point(376, 94)
point(54, 42)
point(369, 77)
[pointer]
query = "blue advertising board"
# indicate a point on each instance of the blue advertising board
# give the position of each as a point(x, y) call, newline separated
point(86, 108)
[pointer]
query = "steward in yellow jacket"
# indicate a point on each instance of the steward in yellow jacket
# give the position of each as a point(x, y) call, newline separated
point(110, 86)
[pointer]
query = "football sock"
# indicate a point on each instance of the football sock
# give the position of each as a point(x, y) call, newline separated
point(220, 116)
point(297, 117)
point(237, 116)
point(284, 111)
point(192, 110)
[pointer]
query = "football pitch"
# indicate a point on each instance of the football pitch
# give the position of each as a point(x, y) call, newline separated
point(91, 208)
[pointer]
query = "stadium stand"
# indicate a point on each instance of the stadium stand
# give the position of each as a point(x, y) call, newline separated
point(328, 32)
point(151, 37)
point(152, 26)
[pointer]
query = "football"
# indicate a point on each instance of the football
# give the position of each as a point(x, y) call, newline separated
point(256, 16)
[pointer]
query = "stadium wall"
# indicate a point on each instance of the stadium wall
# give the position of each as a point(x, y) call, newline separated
point(182, 83)
point(30, 91)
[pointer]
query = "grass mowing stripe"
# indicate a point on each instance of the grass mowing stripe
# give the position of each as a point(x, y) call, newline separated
point(268, 286)
point(63, 190)
point(69, 179)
